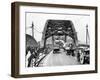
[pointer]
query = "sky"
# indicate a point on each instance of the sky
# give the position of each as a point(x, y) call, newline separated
point(39, 19)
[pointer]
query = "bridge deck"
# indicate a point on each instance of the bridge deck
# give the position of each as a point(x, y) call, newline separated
point(58, 59)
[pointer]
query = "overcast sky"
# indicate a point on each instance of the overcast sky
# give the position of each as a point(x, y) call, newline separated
point(39, 19)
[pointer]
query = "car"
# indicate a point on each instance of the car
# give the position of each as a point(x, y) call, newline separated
point(83, 55)
point(56, 49)
point(87, 56)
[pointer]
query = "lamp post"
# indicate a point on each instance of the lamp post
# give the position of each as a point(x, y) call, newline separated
point(87, 34)
point(32, 29)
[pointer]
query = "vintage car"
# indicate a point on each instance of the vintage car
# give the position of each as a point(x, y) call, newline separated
point(68, 47)
point(87, 56)
point(56, 48)
point(83, 55)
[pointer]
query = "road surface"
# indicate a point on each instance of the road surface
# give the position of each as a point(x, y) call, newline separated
point(58, 59)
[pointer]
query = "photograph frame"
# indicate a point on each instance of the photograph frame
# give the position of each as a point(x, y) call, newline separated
point(15, 33)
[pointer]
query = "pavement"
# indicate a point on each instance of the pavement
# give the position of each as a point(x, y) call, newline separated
point(58, 59)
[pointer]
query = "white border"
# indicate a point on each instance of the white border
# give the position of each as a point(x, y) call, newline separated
point(69, 68)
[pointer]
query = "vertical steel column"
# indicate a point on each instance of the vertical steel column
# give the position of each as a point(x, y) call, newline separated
point(65, 38)
point(53, 40)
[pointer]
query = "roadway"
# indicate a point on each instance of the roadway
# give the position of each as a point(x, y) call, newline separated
point(58, 59)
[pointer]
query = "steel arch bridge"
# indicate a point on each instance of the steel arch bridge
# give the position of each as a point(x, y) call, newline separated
point(59, 28)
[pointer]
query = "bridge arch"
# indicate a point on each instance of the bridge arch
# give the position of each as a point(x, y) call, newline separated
point(59, 28)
